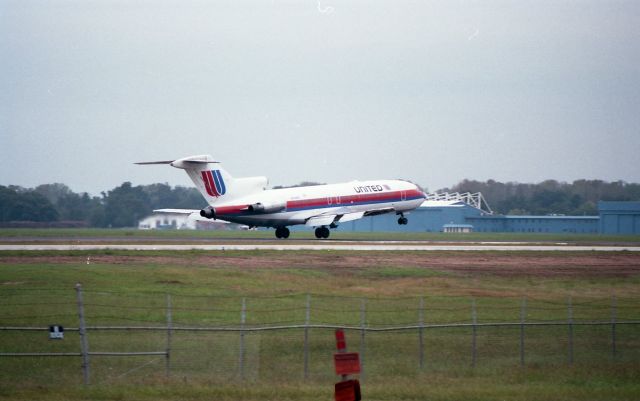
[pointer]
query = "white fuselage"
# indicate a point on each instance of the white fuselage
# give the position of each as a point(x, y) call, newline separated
point(290, 206)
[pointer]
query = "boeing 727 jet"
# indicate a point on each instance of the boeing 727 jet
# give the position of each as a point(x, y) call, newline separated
point(247, 201)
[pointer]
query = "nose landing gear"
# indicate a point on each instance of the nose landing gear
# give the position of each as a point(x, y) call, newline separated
point(402, 220)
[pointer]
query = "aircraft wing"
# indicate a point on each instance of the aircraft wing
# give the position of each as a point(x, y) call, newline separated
point(328, 219)
point(321, 220)
point(375, 212)
point(350, 216)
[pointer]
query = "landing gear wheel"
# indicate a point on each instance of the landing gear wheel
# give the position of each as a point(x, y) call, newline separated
point(322, 232)
point(403, 220)
point(282, 232)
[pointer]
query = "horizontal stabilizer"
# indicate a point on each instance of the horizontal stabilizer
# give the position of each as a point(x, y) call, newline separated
point(160, 162)
point(177, 211)
point(185, 161)
point(195, 161)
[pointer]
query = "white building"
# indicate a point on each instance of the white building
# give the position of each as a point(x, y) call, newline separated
point(159, 221)
point(183, 221)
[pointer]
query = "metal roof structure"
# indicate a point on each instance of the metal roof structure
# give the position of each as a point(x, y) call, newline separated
point(473, 199)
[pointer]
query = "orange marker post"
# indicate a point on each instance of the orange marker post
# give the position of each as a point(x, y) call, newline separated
point(346, 363)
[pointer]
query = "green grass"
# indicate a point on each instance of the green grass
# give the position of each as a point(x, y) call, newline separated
point(399, 272)
point(88, 233)
point(207, 289)
point(526, 384)
point(557, 383)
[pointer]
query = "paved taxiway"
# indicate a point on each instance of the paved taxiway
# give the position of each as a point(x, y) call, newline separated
point(320, 246)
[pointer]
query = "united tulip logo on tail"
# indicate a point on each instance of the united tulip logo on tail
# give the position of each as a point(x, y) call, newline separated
point(214, 183)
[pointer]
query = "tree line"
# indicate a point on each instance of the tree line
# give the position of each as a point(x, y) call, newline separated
point(122, 206)
point(126, 204)
point(578, 198)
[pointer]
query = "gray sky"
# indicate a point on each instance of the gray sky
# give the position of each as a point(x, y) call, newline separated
point(432, 91)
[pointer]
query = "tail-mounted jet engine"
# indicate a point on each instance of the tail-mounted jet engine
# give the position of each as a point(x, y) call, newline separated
point(267, 207)
point(208, 212)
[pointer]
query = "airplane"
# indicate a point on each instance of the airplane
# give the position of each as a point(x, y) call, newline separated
point(247, 200)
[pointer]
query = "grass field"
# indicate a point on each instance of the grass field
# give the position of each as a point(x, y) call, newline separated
point(207, 289)
point(12, 234)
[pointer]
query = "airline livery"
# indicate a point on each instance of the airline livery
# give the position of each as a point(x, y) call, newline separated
point(247, 201)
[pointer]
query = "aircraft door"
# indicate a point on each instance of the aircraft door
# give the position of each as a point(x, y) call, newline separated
point(403, 195)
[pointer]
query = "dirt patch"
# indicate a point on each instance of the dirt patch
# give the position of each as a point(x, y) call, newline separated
point(463, 263)
point(169, 282)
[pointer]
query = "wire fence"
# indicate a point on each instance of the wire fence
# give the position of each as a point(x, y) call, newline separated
point(147, 337)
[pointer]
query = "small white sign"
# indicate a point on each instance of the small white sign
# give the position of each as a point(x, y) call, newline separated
point(56, 332)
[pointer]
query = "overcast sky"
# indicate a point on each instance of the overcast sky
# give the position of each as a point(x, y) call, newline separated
point(329, 90)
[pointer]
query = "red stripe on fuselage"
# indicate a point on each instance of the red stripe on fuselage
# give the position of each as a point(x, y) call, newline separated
point(347, 200)
point(235, 209)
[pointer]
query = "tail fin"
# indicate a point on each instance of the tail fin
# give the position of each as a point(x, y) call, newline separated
point(215, 183)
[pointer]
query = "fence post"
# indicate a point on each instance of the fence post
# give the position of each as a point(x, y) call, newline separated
point(307, 321)
point(169, 334)
point(421, 332)
point(614, 314)
point(523, 314)
point(84, 342)
point(243, 318)
point(570, 324)
point(474, 329)
point(363, 324)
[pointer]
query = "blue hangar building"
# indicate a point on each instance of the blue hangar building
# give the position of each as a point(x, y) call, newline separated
point(619, 217)
point(444, 212)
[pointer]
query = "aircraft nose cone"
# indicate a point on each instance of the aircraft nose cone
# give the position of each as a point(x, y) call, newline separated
point(421, 192)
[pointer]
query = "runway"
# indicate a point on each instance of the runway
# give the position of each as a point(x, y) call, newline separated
point(325, 246)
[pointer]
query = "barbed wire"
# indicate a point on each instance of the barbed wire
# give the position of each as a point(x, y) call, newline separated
point(125, 306)
point(40, 304)
point(28, 317)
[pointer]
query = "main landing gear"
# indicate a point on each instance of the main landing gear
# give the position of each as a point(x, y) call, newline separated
point(322, 232)
point(282, 232)
point(402, 220)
